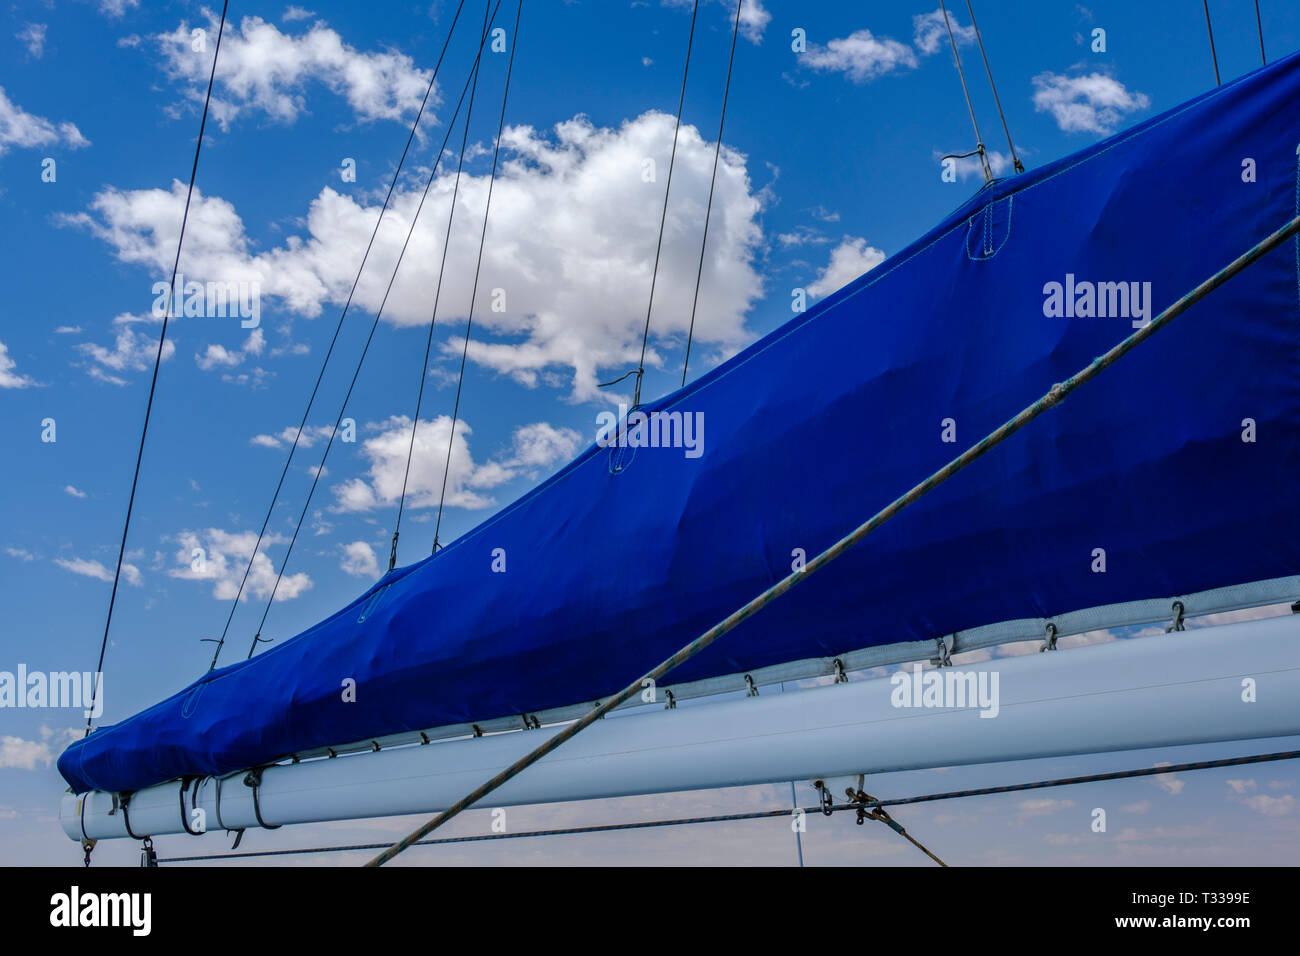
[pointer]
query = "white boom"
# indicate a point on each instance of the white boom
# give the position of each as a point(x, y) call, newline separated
point(1233, 682)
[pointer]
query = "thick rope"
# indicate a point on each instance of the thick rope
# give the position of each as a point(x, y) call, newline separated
point(1015, 160)
point(153, 383)
point(1210, 30)
point(433, 318)
point(478, 266)
point(768, 814)
point(334, 340)
point(663, 216)
point(433, 172)
point(979, 138)
point(1054, 397)
point(713, 179)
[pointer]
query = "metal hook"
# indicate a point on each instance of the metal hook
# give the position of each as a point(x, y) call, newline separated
point(1050, 643)
point(1177, 623)
point(941, 658)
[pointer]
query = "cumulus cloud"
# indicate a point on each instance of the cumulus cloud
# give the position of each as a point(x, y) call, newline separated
point(861, 56)
point(1087, 103)
point(850, 259)
point(9, 378)
point(359, 560)
point(535, 447)
point(93, 569)
point(131, 352)
point(571, 244)
point(293, 13)
point(24, 130)
point(930, 33)
point(73, 491)
point(221, 557)
point(20, 754)
point(266, 71)
point(218, 356)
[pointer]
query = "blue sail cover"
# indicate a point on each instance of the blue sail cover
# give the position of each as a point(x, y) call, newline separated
point(625, 555)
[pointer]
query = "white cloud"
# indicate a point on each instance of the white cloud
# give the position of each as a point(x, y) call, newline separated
point(754, 17)
point(32, 36)
point(69, 330)
point(534, 448)
point(850, 259)
point(930, 33)
point(359, 560)
point(22, 554)
point(117, 8)
point(571, 242)
point(1142, 806)
point(8, 377)
point(26, 130)
point(1041, 807)
point(223, 558)
point(218, 356)
point(296, 13)
point(75, 492)
point(1271, 806)
point(1168, 781)
point(860, 56)
point(802, 236)
point(311, 434)
point(130, 353)
point(19, 754)
point(264, 70)
point(1089, 103)
point(93, 569)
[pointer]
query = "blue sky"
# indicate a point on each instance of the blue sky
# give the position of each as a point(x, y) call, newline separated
point(831, 163)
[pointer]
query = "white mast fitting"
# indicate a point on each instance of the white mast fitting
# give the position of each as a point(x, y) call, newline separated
point(1232, 682)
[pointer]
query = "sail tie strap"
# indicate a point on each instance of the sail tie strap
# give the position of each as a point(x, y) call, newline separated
point(253, 779)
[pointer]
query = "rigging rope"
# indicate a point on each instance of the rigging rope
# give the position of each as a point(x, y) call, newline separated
point(1054, 396)
point(333, 341)
point(979, 139)
point(478, 265)
point(663, 216)
point(257, 637)
point(433, 318)
point(1259, 25)
point(768, 814)
point(1210, 30)
point(157, 362)
point(713, 178)
point(1019, 167)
